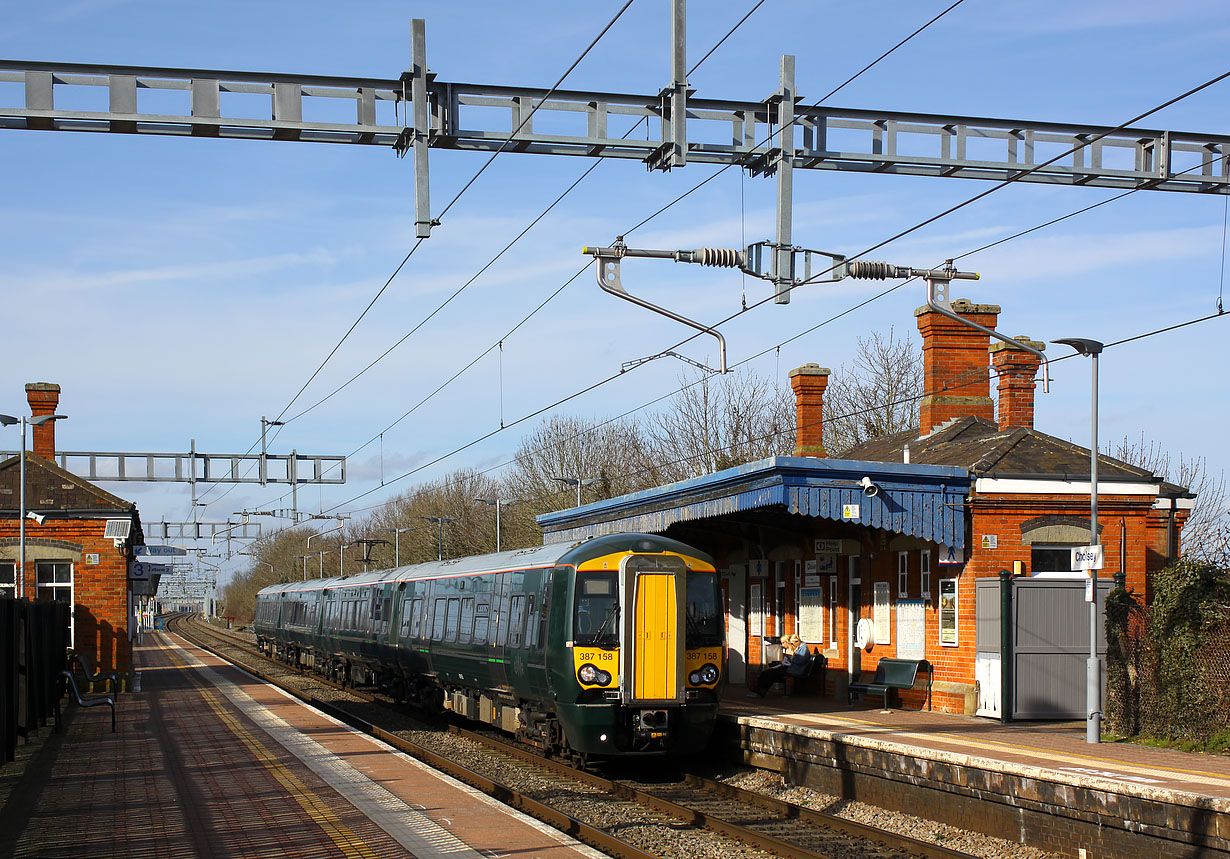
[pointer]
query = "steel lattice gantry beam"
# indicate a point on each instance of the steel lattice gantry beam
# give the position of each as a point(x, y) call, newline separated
point(197, 467)
point(212, 103)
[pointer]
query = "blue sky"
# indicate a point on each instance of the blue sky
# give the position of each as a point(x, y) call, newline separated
point(179, 289)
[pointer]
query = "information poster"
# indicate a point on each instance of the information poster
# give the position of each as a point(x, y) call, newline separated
point(755, 618)
point(948, 612)
point(882, 613)
point(911, 629)
point(811, 614)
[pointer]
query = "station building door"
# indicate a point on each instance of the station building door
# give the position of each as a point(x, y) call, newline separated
point(1049, 646)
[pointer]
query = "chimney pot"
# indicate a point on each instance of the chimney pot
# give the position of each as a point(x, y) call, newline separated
point(956, 375)
point(808, 383)
point(1016, 369)
point(44, 398)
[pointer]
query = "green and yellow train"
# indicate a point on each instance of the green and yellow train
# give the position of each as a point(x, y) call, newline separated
point(613, 646)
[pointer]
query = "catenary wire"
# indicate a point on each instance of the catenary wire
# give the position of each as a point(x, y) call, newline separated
point(930, 220)
point(449, 206)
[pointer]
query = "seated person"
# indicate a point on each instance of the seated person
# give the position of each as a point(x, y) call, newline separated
point(795, 663)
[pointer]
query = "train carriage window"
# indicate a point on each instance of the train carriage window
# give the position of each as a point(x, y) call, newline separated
point(404, 631)
point(416, 611)
point(482, 622)
point(437, 632)
point(467, 620)
point(595, 618)
point(501, 621)
point(452, 621)
point(516, 621)
point(531, 622)
point(386, 615)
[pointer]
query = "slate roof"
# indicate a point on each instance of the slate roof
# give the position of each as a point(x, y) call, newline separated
point(50, 487)
point(985, 450)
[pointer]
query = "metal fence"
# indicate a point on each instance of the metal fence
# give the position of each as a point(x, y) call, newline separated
point(1166, 688)
point(33, 642)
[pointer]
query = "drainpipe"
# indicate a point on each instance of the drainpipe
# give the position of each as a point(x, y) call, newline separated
point(1005, 646)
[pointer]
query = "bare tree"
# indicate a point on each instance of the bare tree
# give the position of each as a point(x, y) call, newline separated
point(609, 458)
point(717, 422)
point(1206, 534)
point(875, 395)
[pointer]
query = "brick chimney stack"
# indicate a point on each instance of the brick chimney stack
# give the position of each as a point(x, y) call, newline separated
point(808, 383)
point(956, 373)
point(1017, 369)
point(43, 398)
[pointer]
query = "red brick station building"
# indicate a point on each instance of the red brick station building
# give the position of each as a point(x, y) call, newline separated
point(897, 550)
point(78, 543)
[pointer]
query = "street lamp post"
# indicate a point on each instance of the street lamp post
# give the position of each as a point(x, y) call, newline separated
point(1093, 667)
point(397, 532)
point(497, 503)
point(440, 520)
point(35, 421)
point(578, 482)
point(322, 554)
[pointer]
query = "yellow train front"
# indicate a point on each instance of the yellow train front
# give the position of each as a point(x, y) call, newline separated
point(636, 659)
point(612, 646)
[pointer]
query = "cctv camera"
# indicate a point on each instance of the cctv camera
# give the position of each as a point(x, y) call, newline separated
point(37, 517)
point(869, 488)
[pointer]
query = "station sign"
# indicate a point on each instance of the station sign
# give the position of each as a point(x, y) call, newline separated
point(140, 571)
point(1087, 557)
point(158, 551)
point(951, 554)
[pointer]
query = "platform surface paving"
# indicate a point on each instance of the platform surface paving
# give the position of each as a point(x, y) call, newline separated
point(1055, 750)
point(209, 762)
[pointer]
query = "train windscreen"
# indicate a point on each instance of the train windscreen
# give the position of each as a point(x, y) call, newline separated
point(704, 610)
point(595, 618)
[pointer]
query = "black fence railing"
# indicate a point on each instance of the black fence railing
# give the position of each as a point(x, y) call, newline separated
point(34, 639)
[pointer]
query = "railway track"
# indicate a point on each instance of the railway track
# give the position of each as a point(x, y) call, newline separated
point(687, 816)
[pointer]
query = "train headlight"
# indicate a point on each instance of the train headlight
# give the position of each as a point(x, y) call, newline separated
point(706, 675)
point(593, 676)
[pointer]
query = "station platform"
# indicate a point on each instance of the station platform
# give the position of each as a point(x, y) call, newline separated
point(207, 761)
point(1037, 783)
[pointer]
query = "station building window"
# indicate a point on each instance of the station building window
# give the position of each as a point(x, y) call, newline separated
point(54, 581)
point(8, 579)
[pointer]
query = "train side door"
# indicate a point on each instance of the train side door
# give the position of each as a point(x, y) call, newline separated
point(498, 631)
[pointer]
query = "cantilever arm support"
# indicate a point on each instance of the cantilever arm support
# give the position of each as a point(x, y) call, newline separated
point(608, 278)
point(937, 299)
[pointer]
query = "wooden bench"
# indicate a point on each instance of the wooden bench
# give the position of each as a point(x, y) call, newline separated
point(893, 674)
point(84, 700)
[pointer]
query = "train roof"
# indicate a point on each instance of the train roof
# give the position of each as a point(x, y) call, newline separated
point(519, 559)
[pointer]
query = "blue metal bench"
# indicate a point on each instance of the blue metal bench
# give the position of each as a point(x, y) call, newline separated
point(893, 674)
point(84, 700)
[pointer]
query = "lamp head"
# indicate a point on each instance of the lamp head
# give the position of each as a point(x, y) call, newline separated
point(7, 420)
point(1083, 345)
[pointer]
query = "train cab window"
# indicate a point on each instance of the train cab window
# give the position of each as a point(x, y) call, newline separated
point(704, 610)
point(437, 632)
point(467, 620)
point(595, 618)
point(516, 621)
point(452, 620)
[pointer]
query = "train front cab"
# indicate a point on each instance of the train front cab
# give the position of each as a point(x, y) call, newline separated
point(645, 633)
